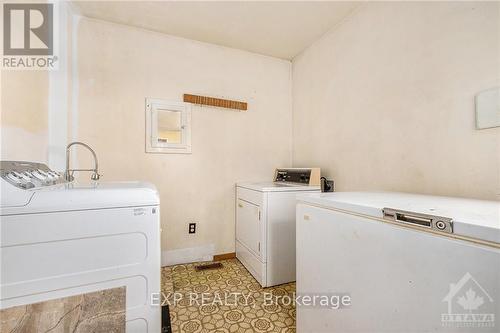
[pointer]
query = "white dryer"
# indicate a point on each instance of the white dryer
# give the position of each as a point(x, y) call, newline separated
point(61, 239)
point(265, 223)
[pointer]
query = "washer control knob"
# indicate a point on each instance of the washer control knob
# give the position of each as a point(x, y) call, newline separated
point(38, 175)
point(53, 174)
point(13, 177)
point(24, 177)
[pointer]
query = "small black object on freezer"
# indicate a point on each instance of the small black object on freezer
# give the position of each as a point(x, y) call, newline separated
point(326, 185)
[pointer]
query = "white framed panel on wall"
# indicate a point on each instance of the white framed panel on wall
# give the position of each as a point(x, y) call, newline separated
point(168, 126)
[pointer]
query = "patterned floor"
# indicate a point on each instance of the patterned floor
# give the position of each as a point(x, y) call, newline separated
point(226, 300)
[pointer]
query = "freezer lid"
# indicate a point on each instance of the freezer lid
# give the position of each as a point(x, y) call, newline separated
point(478, 219)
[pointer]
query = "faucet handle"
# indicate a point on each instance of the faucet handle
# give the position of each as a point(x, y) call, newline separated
point(68, 176)
point(95, 176)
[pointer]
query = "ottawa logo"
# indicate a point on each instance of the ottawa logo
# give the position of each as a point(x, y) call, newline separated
point(469, 305)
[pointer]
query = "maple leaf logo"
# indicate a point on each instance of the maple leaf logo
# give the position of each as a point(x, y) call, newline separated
point(470, 301)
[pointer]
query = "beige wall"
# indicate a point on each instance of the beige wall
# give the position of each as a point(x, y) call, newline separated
point(24, 115)
point(35, 104)
point(386, 100)
point(120, 66)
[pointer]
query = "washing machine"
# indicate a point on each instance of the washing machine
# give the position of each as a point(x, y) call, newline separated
point(61, 239)
point(265, 223)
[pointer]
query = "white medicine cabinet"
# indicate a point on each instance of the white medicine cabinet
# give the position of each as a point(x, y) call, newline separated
point(168, 126)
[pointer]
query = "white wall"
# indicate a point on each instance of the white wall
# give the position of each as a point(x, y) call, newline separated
point(386, 100)
point(119, 66)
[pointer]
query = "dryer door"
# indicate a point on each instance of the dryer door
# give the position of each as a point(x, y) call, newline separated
point(248, 225)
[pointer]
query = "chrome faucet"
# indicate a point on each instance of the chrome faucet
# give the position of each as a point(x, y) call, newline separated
point(68, 174)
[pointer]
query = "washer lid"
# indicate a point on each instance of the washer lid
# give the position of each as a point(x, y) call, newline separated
point(478, 219)
point(77, 196)
point(277, 187)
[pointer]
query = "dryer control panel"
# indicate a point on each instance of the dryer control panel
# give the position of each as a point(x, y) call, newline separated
point(26, 175)
point(306, 176)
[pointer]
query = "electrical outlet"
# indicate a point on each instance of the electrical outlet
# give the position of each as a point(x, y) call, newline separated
point(192, 228)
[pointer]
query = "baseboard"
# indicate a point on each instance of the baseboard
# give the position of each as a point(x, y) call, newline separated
point(224, 256)
point(188, 255)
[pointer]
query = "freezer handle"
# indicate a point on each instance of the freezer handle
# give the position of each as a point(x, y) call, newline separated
point(438, 223)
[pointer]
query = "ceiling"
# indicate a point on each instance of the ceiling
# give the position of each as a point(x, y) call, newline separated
point(279, 29)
